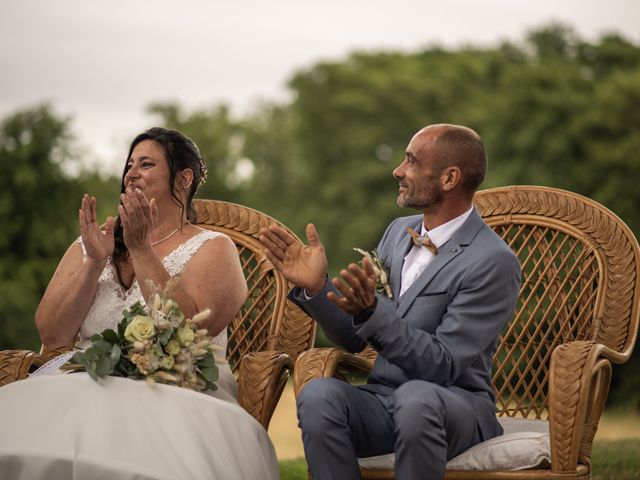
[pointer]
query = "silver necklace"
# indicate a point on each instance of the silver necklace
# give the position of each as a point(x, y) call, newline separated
point(165, 238)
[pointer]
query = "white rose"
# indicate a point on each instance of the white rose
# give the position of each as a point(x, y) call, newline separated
point(140, 328)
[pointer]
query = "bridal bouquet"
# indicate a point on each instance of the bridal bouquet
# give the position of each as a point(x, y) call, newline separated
point(155, 343)
point(382, 275)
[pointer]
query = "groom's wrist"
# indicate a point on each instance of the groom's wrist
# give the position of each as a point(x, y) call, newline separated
point(314, 290)
point(364, 314)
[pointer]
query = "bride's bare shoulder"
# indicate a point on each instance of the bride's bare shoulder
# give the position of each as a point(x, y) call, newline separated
point(216, 243)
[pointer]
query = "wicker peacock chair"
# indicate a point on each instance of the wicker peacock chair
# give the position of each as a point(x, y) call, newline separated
point(577, 312)
point(264, 339)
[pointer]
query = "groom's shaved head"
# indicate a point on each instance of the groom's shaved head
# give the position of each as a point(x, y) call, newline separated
point(462, 147)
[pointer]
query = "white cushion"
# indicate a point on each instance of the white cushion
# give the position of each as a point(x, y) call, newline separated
point(524, 444)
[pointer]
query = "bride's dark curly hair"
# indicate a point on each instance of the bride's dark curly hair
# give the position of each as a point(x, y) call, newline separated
point(181, 153)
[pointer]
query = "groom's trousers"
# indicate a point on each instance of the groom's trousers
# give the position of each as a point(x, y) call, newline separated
point(424, 424)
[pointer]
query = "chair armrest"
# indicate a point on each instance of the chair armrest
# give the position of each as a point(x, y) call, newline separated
point(261, 380)
point(15, 365)
point(329, 362)
point(578, 387)
point(47, 354)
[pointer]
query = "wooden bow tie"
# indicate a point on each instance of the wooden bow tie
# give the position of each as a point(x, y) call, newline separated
point(422, 240)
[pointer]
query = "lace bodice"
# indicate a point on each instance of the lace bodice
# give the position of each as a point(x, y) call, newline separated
point(111, 298)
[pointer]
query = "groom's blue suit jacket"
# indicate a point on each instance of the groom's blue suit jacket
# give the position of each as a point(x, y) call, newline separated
point(444, 328)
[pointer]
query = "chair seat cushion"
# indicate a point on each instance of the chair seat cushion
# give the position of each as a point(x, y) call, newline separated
point(524, 444)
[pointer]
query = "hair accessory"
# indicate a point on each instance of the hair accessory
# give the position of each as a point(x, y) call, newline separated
point(203, 166)
point(203, 170)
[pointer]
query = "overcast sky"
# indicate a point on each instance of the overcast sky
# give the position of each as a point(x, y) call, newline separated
point(103, 62)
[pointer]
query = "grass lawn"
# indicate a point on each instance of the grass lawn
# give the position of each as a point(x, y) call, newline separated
point(293, 469)
point(611, 460)
point(615, 459)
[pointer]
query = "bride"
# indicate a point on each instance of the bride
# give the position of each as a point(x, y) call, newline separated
point(68, 426)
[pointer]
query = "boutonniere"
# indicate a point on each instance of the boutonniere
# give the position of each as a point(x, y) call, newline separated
point(382, 273)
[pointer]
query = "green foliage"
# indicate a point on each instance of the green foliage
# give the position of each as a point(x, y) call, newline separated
point(38, 214)
point(101, 358)
point(33, 193)
point(208, 369)
point(553, 110)
point(104, 356)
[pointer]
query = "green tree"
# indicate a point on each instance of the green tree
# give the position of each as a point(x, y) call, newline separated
point(38, 214)
point(34, 200)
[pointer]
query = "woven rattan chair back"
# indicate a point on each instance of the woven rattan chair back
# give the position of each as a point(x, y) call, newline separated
point(264, 338)
point(579, 282)
point(267, 320)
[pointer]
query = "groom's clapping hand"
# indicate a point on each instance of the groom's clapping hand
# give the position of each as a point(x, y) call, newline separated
point(357, 285)
point(303, 265)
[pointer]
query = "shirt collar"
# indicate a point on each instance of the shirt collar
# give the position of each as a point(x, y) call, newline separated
point(442, 233)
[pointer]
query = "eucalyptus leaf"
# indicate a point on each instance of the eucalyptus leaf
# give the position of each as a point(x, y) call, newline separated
point(210, 374)
point(91, 368)
point(207, 361)
point(176, 313)
point(208, 370)
point(135, 309)
point(116, 352)
point(126, 368)
point(165, 335)
point(103, 366)
point(210, 386)
point(79, 358)
point(95, 337)
point(122, 326)
point(102, 347)
point(110, 336)
point(157, 349)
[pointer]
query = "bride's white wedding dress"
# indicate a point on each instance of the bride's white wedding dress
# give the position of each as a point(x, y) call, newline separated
point(71, 427)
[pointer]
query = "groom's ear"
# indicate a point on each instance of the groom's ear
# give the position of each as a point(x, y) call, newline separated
point(450, 178)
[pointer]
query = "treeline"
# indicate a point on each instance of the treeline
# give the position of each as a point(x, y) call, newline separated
point(554, 109)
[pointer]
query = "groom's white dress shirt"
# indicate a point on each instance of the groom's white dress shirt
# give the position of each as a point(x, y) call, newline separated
point(419, 257)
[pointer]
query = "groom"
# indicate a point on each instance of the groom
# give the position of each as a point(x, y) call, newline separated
point(454, 282)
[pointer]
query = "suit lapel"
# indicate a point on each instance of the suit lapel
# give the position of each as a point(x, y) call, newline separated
point(447, 252)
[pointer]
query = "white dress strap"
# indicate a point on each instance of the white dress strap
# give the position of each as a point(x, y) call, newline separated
point(176, 260)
